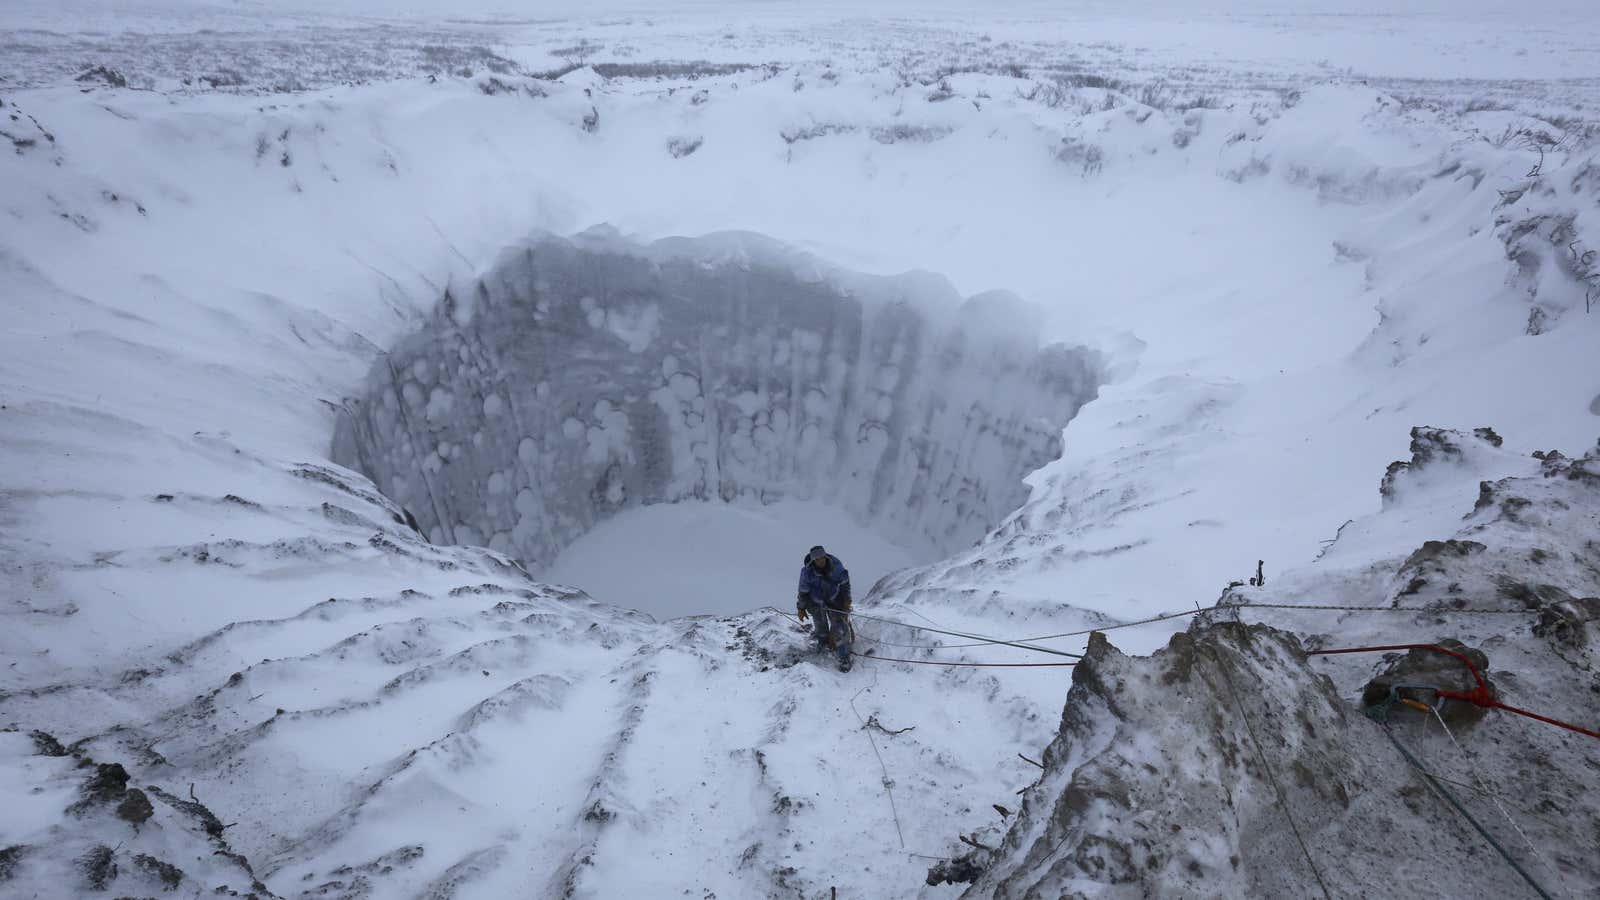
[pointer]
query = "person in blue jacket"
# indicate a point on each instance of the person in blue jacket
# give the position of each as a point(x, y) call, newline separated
point(825, 597)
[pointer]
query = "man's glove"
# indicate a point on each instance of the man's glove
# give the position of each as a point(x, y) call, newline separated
point(801, 612)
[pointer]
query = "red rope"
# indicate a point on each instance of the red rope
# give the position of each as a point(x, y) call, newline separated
point(933, 662)
point(1532, 715)
point(1480, 695)
point(1482, 689)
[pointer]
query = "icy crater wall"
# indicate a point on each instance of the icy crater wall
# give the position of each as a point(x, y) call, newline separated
point(584, 376)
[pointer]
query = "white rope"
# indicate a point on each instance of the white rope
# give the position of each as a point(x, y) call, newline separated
point(1495, 798)
point(888, 786)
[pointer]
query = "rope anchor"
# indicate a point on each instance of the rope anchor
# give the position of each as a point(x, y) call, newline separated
point(1480, 695)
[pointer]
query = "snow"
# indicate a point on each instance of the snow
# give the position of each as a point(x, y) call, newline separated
point(1322, 233)
point(687, 559)
point(20, 770)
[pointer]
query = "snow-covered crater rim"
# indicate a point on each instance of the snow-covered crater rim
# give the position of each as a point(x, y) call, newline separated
point(584, 376)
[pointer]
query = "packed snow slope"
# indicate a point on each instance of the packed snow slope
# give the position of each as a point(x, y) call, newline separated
point(232, 662)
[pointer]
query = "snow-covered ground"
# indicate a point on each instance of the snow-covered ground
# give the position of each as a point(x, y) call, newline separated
point(1290, 235)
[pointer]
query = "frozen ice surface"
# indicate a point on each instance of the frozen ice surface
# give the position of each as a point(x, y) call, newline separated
point(698, 558)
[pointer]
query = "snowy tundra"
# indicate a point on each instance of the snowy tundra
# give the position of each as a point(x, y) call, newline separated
point(411, 422)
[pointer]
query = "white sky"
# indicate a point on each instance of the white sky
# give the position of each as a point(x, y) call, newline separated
point(1024, 8)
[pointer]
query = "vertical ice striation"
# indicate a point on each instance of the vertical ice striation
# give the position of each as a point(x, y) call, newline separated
point(584, 376)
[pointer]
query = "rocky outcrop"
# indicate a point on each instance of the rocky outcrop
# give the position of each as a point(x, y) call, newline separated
point(1546, 224)
point(583, 377)
point(1434, 446)
point(1225, 766)
point(1233, 764)
point(110, 837)
point(1528, 542)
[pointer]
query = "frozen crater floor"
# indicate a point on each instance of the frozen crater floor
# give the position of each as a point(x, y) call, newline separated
point(377, 394)
point(697, 558)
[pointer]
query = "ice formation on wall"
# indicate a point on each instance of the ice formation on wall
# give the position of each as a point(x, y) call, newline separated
point(584, 376)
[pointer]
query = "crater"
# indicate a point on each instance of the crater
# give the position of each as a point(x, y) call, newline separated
point(583, 379)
